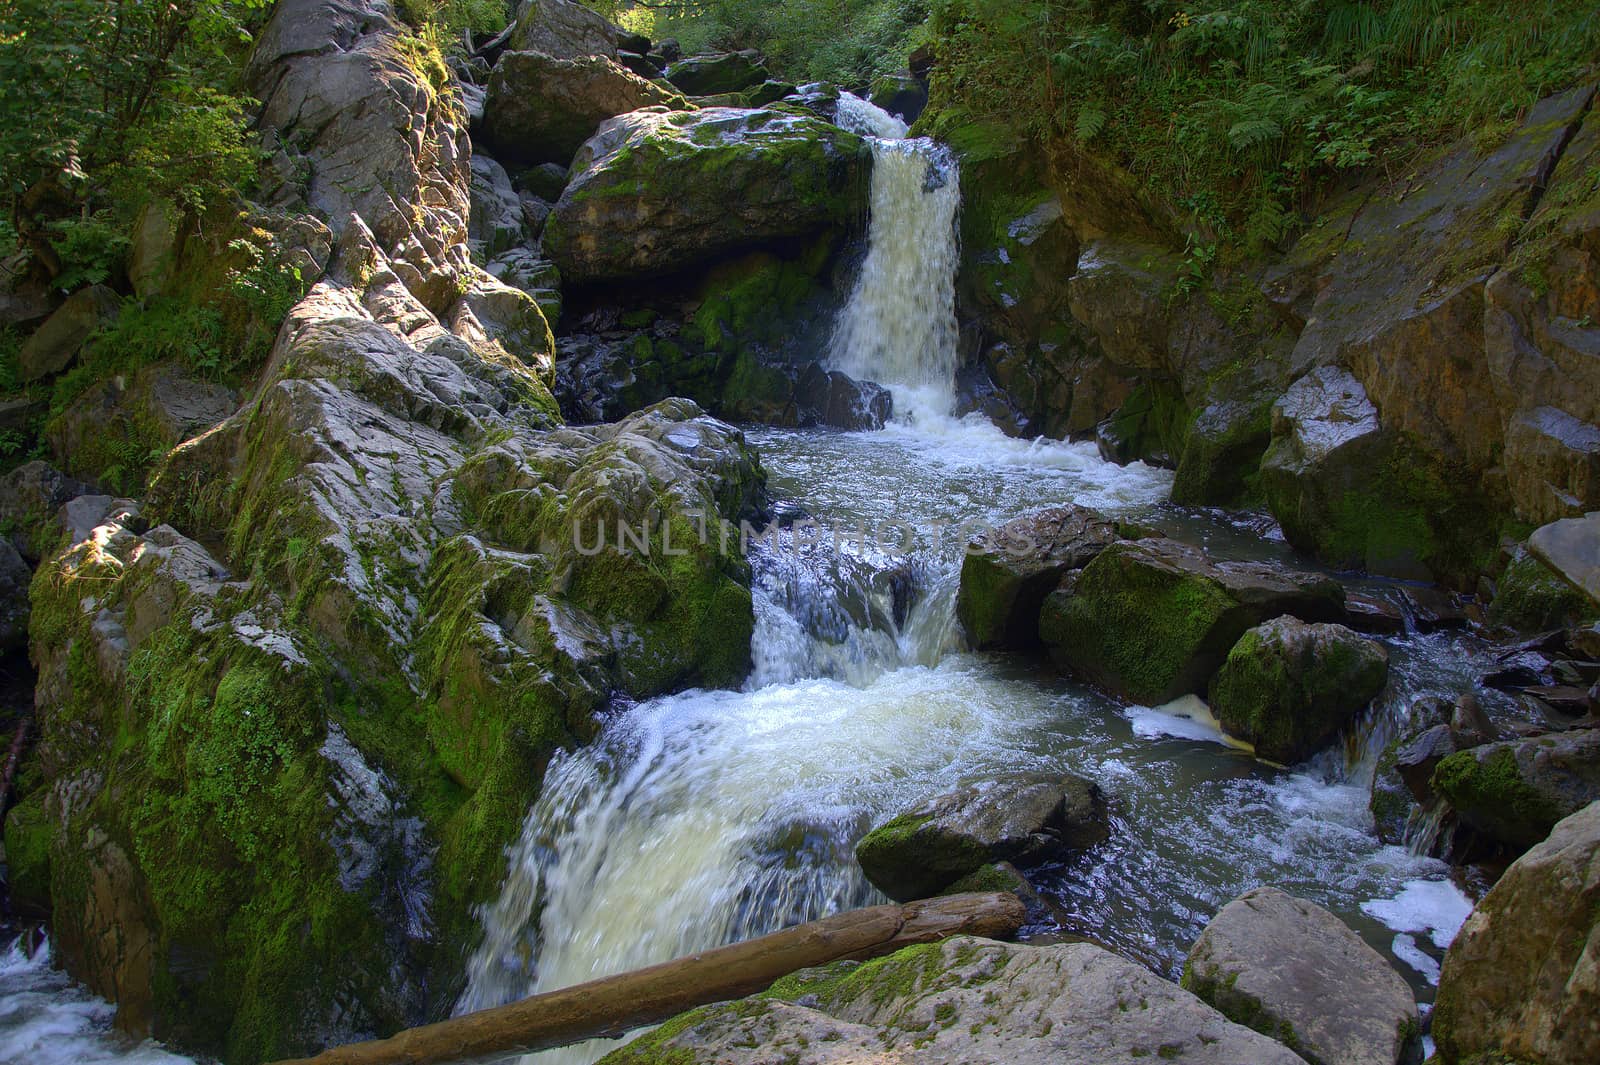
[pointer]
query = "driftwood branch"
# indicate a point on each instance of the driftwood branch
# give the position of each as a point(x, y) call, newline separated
point(616, 1005)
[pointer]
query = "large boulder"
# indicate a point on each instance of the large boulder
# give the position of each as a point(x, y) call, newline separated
point(541, 109)
point(960, 1002)
point(1288, 687)
point(1290, 969)
point(903, 94)
point(1571, 547)
point(712, 75)
point(56, 344)
point(1513, 791)
point(648, 192)
point(923, 851)
point(1153, 619)
point(1008, 571)
point(563, 29)
point(1520, 981)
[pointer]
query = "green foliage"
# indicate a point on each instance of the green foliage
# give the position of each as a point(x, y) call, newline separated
point(92, 249)
point(1239, 109)
point(844, 41)
point(447, 19)
point(111, 102)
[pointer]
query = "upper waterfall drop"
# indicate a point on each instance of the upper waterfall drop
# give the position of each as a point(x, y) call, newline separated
point(899, 326)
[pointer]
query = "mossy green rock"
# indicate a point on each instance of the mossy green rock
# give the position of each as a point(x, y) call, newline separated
point(648, 193)
point(1007, 572)
point(1289, 687)
point(1532, 597)
point(312, 739)
point(962, 1001)
point(1153, 619)
point(922, 852)
point(1514, 791)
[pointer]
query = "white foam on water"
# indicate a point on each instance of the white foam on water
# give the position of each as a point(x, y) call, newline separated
point(1185, 718)
point(46, 1019)
point(1435, 908)
point(1404, 947)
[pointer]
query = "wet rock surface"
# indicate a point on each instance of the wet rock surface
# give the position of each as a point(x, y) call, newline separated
point(1014, 819)
point(1291, 970)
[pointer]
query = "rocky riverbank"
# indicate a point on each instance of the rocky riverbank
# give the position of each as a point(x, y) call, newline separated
point(305, 641)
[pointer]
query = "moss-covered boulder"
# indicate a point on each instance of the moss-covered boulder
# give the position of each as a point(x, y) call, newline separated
point(281, 768)
point(648, 192)
point(1518, 982)
point(1288, 687)
point(541, 109)
point(1293, 971)
point(1153, 619)
point(1530, 596)
point(961, 1001)
point(1008, 571)
point(1514, 791)
point(924, 851)
point(710, 75)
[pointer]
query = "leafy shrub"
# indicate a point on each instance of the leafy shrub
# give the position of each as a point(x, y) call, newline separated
point(1240, 109)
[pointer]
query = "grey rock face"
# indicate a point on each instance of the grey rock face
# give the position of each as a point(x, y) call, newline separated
point(1291, 969)
point(965, 1002)
point(1520, 980)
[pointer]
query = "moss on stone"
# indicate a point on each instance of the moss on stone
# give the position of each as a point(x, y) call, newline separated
point(1138, 629)
point(1531, 597)
point(27, 839)
point(1488, 788)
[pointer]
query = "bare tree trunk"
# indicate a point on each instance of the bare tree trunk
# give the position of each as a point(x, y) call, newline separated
point(615, 1005)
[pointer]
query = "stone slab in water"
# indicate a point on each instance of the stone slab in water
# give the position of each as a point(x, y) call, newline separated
point(1289, 967)
point(962, 1002)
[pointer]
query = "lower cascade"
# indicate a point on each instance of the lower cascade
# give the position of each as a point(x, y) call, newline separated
point(712, 816)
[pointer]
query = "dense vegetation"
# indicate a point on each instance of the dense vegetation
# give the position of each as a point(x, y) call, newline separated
point(1233, 111)
point(107, 106)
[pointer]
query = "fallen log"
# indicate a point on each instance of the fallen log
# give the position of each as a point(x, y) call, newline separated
point(615, 1005)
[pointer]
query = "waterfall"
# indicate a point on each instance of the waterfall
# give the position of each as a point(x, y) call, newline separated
point(899, 326)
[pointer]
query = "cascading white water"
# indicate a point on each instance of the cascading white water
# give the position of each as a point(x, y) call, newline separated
point(706, 817)
point(899, 326)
